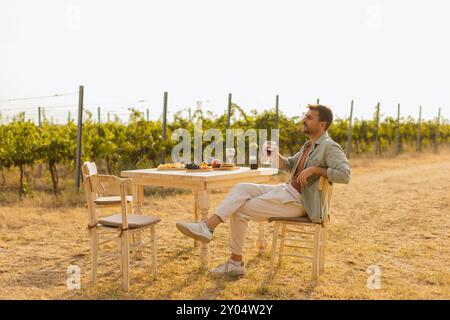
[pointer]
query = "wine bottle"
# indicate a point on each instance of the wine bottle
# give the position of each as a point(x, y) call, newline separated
point(253, 162)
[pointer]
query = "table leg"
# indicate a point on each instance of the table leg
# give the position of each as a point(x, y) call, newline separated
point(138, 201)
point(261, 243)
point(196, 215)
point(138, 198)
point(203, 203)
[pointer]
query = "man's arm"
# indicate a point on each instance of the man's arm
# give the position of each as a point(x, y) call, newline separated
point(282, 162)
point(286, 164)
point(338, 168)
point(320, 171)
point(310, 171)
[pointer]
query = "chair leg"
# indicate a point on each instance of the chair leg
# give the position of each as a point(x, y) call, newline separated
point(316, 253)
point(138, 202)
point(94, 255)
point(133, 238)
point(276, 229)
point(196, 216)
point(261, 243)
point(125, 260)
point(154, 266)
point(323, 240)
point(281, 250)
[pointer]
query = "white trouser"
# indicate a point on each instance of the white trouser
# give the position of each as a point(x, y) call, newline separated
point(257, 202)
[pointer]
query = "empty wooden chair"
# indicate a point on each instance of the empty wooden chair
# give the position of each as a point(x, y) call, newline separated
point(118, 227)
point(316, 232)
point(102, 201)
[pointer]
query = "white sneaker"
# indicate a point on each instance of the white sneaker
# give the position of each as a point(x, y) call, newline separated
point(230, 267)
point(196, 230)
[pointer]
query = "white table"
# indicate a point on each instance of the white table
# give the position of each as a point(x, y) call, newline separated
point(200, 183)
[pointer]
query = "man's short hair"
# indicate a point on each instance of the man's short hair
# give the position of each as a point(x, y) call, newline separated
point(325, 113)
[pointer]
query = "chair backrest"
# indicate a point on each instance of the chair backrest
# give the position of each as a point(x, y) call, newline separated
point(326, 187)
point(110, 185)
point(88, 169)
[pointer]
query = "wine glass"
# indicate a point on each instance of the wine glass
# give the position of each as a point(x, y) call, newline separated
point(230, 152)
point(269, 146)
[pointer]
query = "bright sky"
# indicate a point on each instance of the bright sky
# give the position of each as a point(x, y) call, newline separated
point(200, 50)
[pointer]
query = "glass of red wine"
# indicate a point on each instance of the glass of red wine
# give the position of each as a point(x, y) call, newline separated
point(270, 145)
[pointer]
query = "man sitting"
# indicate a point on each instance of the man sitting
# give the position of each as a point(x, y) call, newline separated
point(319, 156)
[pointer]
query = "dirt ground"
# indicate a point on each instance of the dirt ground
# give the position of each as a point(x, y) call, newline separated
point(394, 214)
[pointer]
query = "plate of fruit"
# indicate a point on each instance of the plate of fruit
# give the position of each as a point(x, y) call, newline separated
point(202, 167)
point(171, 166)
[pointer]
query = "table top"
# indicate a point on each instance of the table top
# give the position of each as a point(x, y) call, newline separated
point(198, 176)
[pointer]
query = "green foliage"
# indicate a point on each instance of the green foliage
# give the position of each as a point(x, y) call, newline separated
point(58, 145)
point(139, 144)
point(19, 147)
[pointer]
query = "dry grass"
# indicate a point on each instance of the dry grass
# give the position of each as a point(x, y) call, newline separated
point(394, 213)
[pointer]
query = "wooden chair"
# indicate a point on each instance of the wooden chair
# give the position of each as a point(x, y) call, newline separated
point(102, 201)
point(88, 169)
point(121, 226)
point(316, 232)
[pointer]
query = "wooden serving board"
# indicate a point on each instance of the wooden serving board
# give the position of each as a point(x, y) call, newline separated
point(199, 170)
point(227, 168)
point(170, 169)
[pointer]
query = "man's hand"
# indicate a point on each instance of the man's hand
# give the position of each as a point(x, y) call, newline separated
point(308, 172)
point(281, 161)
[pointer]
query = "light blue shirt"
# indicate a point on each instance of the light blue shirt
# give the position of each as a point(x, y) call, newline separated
point(325, 153)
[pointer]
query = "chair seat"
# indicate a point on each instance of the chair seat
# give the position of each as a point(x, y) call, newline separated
point(304, 219)
point(111, 200)
point(134, 221)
